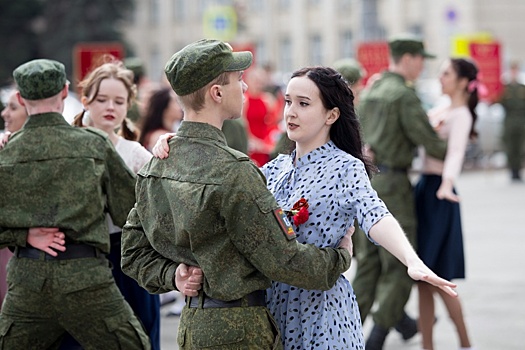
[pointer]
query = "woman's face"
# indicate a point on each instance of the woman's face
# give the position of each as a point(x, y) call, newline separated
point(307, 120)
point(172, 114)
point(449, 79)
point(14, 114)
point(109, 108)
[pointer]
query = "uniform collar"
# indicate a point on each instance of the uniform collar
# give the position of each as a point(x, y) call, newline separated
point(201, 130)
point(45, 119)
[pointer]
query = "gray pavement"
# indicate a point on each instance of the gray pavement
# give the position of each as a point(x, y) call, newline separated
point(493, 295)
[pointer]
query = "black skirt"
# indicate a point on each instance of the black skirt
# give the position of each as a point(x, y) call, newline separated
point(439, 235)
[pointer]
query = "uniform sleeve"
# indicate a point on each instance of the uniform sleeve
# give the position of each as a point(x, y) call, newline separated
point(119, 186)
point(142, 262)
point(13, 237)
point(252, 221)
point(415, 123)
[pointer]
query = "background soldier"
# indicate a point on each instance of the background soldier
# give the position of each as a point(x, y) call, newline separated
point(394, 124)
point(513, 101)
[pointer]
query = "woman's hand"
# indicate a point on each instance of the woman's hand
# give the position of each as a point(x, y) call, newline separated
point(4, 137)
point(162, 149)
point(446, 191)
point(47, 239)
point(418, 271)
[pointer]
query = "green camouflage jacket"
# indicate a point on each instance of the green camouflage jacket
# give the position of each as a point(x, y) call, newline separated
point(208, 205)
point(395, 123)
point(55, 175)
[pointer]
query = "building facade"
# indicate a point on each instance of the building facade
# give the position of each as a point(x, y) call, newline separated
point(289, 34)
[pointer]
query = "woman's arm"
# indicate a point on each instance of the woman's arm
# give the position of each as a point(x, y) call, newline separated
point(389, 234)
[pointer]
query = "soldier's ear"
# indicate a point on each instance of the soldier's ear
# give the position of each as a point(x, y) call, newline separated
point(216, 93)
point(20, 99)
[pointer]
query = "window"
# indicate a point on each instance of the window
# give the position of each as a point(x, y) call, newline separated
point(154, 12)
point(316, 50)
point(285, 55)
point(346, 44)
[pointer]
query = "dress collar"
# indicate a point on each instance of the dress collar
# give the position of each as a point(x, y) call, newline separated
point(315, 155)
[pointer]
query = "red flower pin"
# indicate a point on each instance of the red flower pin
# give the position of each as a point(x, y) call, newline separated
point(299, 212)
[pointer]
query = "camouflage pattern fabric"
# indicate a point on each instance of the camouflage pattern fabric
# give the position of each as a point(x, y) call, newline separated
point(40, 79)
point(200, 62)
point(55, 175)
point(240, 328)
point(394, 124)
point(236, 136)
point(47, 298)
point(513, 101)
point(208, 205)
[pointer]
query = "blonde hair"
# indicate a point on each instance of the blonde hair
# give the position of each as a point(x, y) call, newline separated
point(91, 84)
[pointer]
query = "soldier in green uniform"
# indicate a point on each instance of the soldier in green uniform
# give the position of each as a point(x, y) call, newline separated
point(207, 205)
point(513, 101)
point(136, 65)
point(57, 182)
point(394, 124)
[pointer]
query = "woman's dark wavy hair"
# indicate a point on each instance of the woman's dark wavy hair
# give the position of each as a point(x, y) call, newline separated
point(153, 118)
point(467, 69)
point(335, 92)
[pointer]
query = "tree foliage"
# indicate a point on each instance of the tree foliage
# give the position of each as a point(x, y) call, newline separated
point(51, 28)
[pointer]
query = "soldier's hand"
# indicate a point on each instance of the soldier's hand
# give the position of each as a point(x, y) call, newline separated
point(47, 239)
point(189, 280)
point(162, 149)
point(346, 241)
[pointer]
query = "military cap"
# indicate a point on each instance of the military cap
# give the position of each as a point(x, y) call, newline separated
point(135, 65)
point(40, 79)
point(408, 43)
point(201, 62)
point(350, 69)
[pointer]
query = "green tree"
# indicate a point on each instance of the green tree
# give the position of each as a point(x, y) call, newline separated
point(18, 40)
point(51, 28)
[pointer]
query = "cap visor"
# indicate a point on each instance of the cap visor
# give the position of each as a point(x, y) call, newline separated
point(428, 55)
point(241, 61)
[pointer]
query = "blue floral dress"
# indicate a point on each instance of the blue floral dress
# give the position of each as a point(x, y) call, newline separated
point(338, 190)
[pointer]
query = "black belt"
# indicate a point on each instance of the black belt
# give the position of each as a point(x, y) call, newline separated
point(389, 169)
point(73, 251)
point(256, 298)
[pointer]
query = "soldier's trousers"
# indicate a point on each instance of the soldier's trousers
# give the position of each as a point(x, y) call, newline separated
point(514, 141)
point(47, 298)
point(228, 328)
point(380, 277)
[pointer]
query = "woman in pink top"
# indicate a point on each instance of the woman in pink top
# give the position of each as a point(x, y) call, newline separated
point(440, 241)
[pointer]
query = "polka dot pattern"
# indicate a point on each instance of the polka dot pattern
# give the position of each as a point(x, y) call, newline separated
point(338, 191)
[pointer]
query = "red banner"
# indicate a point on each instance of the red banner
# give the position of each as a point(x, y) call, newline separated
point(87, 56)
point(374, 57)
point(488, 58)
